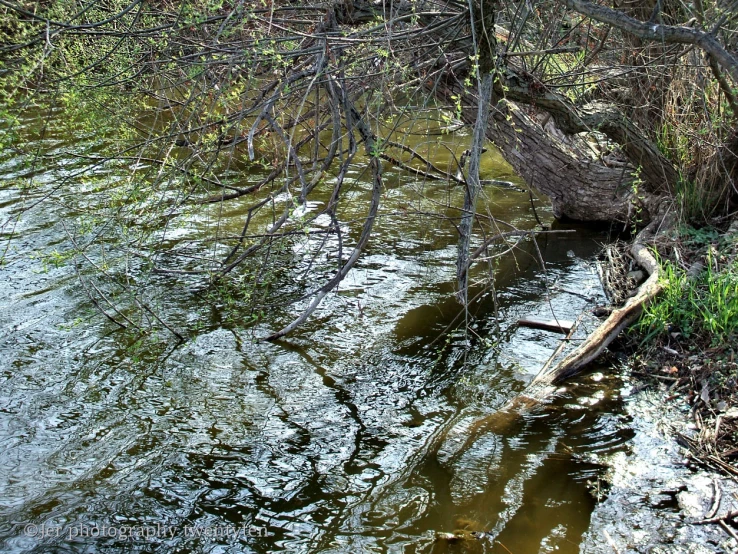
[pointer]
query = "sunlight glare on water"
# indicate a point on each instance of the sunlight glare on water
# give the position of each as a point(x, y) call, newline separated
point(362, 432)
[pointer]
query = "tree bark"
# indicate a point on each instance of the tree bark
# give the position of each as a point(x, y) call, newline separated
point(555, 159)
point(579, 186)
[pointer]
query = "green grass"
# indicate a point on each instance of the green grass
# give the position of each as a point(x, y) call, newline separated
point(705, 307)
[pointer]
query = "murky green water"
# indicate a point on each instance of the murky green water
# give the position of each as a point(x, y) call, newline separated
point(352, 435)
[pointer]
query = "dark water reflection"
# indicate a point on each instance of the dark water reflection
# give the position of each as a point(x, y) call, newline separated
point(351, 436)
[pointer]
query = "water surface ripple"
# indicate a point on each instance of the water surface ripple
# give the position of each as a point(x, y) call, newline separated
point(360, 433)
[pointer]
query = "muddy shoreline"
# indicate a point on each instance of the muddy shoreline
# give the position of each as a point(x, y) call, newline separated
point(657, 492)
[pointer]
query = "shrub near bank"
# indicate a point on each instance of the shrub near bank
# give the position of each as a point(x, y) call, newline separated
point(692, 335)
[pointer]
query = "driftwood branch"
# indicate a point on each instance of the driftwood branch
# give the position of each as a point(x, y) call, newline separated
point(598, 340)
point(618, 320)
point(557, 326)
point(544, 384)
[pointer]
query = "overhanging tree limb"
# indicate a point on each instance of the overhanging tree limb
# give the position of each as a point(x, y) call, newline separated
point(656, 32)
point(483, 25)
point(608, 119)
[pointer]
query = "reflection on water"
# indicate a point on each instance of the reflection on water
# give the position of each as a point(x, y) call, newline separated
point(353, 435)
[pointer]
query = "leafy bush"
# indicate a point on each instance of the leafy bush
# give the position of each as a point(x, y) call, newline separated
point(705, 305)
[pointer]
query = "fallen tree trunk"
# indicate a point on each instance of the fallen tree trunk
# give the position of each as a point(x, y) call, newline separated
point(544, 384)
point(579, 187)
point(593, 163)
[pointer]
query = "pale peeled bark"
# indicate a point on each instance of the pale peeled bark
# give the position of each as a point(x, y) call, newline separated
point(545, 383)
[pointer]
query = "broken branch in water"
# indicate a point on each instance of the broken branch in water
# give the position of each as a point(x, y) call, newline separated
point(601, 337)
point(558, 326)
point(543, 385)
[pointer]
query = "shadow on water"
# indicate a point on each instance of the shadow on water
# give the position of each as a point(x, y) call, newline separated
point(350, 436)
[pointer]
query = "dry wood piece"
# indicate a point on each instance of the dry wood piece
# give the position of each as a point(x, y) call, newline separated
point(543, 384)
point(557, 325)
point(726, 517)
point(716, 497)
point(617, 320)
point(563, 344)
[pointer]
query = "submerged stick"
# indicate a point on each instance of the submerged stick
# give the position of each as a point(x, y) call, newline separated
point(558, 326)
point(544, 383)
point(608, 330)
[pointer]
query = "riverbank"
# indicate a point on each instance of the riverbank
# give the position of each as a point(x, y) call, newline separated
point(676, 490)
point(659, 496)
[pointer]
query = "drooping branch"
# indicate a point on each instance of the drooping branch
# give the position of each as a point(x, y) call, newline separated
point(483, 24)
point(724, 85)
point(656, 32)
point(233, 79)
point(376, 166)
point(353, 121)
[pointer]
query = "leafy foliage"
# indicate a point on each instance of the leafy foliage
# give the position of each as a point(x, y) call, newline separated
point(703, 306)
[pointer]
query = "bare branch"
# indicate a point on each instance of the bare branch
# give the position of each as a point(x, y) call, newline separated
point(659, 33)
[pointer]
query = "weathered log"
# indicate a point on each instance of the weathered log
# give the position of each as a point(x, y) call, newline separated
point(657, 173)
point(545, 382)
